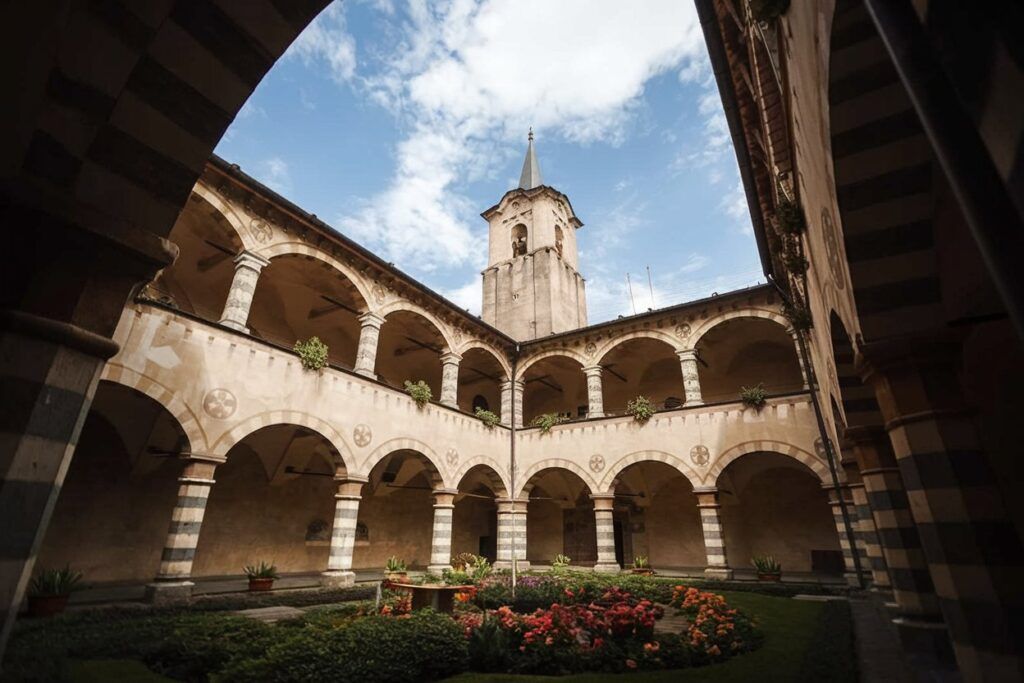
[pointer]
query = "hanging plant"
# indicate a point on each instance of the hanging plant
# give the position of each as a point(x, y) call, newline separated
point(489, 418)
point(798, 315)
point(791, 217)
point(312, 353)
point(641, 409)
point(547, 421)
point(419, 391)
point(793, 258)
point(766, 10)
point(754, 396)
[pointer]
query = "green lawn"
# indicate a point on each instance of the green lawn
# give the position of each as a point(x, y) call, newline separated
point(790, 629)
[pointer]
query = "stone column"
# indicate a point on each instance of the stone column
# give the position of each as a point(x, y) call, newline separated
point(506, 403)
point(343, 533)
point(800, 358)
point(441, 543)
point(834, 501)
point(511, 525)
point(247, 273)
point(691, 378)
point(366, 354)
point(517, 400)
point(450, 379)
point(870, 546)
point(604, 524)
point(974, 553)
point(173, 583)
point(714, 535)
point(595, 393)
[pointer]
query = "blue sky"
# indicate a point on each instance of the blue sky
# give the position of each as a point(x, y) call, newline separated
point(399, 122)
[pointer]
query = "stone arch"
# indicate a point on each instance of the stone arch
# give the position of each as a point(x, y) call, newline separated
point(166, 398)
point(303, 249)
point(409, 307)
point(615, 469)
point(711, 323)
point(813, 463)
point(407, 444)
point(619, 340)
point(233, 436)
point(231, 217)
point(502, 359)
point(555, 463)
point(497, 477)
point(568, 353)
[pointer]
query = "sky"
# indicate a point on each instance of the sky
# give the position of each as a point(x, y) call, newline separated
point(398, 123)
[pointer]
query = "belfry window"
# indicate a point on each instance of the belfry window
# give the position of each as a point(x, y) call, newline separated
point(519, 240)
point(558, 240)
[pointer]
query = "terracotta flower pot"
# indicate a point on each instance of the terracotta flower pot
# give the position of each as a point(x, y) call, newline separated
point(644, 571)
point(769, 577)
point(396, 577)
point(256, 585)
point(46, 605)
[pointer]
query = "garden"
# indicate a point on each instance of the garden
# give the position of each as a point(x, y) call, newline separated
point(577, 624)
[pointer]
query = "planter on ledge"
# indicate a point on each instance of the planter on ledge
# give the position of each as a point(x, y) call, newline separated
point(260, 585)
point(769, 577)
point(643, 571)
point(46, 605)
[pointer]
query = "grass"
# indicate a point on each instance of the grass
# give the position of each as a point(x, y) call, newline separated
point(122, 670)
point(795, 632)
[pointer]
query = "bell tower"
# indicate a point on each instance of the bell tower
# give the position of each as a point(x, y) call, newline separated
point(532, 286)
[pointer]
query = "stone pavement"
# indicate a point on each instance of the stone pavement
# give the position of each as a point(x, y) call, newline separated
point(877, 642)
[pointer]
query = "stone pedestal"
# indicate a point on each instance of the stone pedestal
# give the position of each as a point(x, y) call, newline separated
point(169, 593)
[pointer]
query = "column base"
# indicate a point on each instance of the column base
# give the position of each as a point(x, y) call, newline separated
point(852, 580)
point(438, 568)
point(611, 568)
point(521, 565)
point(927, 647)
point(719, 573)
point(337, 579)
point(235, 326)
point(169, 592)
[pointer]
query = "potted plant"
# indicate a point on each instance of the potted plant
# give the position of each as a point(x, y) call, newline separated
point(394, 570)
point(261, 576)
point(547, 421)
point(489, 418)
point(312, 353)
point(755, 396)
point(419, 391)
point(560, 563)
point(641, 565)
point(767, 567)
point(49, 591)
point(641, 409)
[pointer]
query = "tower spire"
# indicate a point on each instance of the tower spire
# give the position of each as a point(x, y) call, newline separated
point(530, 177)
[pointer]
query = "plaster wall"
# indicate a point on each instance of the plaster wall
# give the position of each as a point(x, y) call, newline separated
point(673, 535)
point(399, 523)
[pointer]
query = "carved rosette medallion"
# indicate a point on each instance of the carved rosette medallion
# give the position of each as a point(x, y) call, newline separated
point(362, 435)
point(683, 330)
point(590, 349)
point(452, 457)
point(260, 230)
point(220, 404)
point(700, 456)
point(378, 294)
point(828, 229)
point(819, 448)
point(596, 462)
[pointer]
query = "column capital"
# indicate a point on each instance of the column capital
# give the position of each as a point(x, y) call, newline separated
point(687, 354)
point(705, 489)
point(512, 383)
point(371, 319)
point(593, 370)
point(450, 358)
point(603, 501)
point(865, 434)
point(248, 259)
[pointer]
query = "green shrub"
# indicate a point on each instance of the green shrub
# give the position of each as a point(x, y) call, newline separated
point(547, 421)
point(766, 564)
point(419, 391)
point(54, 582)
point(312, 353)
point(754, 396)
point(394, 564)
point(263, 570)
point(791, 216)
point(798, 316)
point(489, 419)
point(489, 647)
point(641, 409)
point(421, 647)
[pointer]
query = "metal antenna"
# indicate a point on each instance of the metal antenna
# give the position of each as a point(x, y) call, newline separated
point(650, 285)
point(629, 286)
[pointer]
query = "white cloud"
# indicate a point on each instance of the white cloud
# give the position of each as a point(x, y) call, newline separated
point(734, 204)
point(469, 295)
point(274, 173)
point(608, 295)
point(466, 73)
point(327, 39)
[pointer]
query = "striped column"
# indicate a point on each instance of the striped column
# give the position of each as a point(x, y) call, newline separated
point(366, 352)
point(604, 524)
point(506, 403)
point(247, 273)
point(849, 568)
point(511, 527)
point(517, 400)
point(867, 538)
point(595, 392)
point(975, 556)
point(450, 379)
point(691, 377)
point(441, 542)
point(343, 533)
point(173, 582)
point(714, 536)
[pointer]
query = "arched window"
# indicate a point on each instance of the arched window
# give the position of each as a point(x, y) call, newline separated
point(481, 403)
point(519, 240)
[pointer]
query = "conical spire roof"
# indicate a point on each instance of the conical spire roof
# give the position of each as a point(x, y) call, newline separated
point(530, 177)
